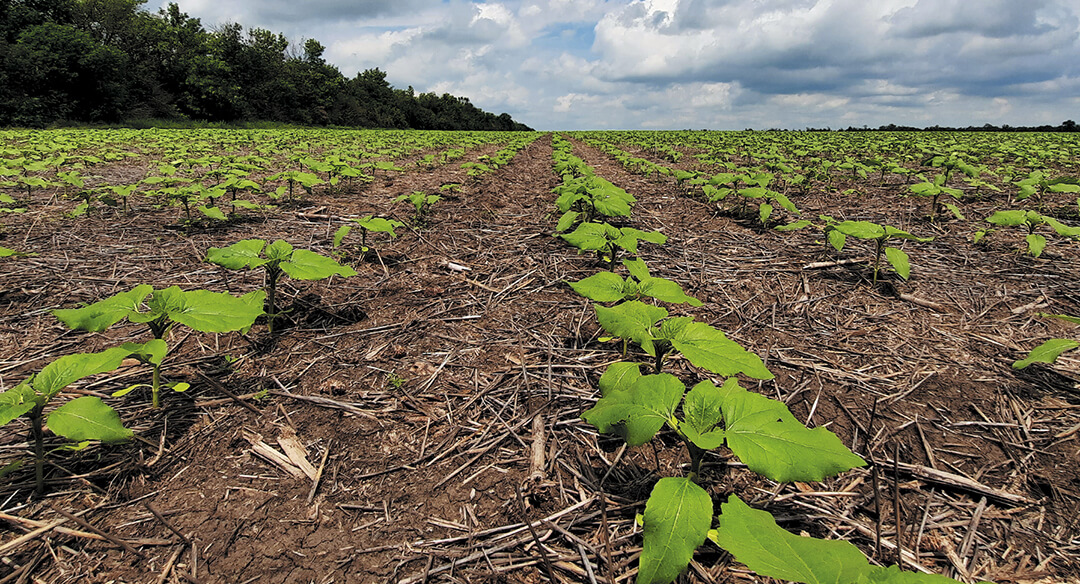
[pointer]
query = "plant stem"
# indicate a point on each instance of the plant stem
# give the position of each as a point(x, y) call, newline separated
point(880, 243)
point(39, 449)
point(696, 456)
point(155, 387)
point(272, 275)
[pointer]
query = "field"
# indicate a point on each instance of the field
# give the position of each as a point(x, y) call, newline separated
point(422, 420)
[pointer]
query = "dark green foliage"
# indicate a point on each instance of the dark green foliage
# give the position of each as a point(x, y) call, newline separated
point(110, 60)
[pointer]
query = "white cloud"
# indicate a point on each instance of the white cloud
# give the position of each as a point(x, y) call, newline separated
point(701, 63)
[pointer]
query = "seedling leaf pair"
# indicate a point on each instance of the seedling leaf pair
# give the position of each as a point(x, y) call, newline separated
point(701, 344)
point(367, 224)
point(201, 310)
point(609, 287)
point(880, 235)
point(607, 240)
point(280, 258)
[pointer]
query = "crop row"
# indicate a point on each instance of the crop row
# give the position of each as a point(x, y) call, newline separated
point(759, 431)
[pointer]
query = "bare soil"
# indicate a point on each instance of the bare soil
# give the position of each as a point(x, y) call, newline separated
point(417, 389)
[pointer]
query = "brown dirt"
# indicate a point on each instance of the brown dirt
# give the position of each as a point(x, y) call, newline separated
point(430, 377)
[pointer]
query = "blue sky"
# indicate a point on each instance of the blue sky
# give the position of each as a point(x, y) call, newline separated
point(730, 64)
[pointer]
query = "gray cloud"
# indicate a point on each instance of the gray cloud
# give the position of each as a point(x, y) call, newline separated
point(707, 63)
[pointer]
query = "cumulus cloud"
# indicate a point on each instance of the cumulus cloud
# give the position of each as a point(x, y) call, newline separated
point(701, 63)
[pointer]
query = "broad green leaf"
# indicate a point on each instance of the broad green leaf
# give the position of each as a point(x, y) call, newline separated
point(677, 519)
point(702, 408)
point(213, 312)
point(612, 204)
point(379, 224)
point(795, 226)
point(893, 232)
point(280, 251)
point(955, 211)
point(619, 377)
point(754, 538)
point(601, 287)
point(899, 261)
point(212, 212)
point(1036, 244)
point(161, 304)
point(629, 320)
point(894, 575)
point(240, 255)
point(764, 212)
point(1064, 188)
point(637, 268)
point(152, 351)
point(340, 234)
point(925, 189)
point(1008, 218)
point(308, 265)
point(641, 410)
point(591, 236)
point(566, 221)
point(100, 315)
point(837, 239)
point(628, 238)
point(786, 203)
point(770, 441)
point(665, 290)
point(1065, 317)
point(861, 229)
point(1047, 352)
point(1062, 229)
point(67, 369)
point(710, 349)
point(88, 418)
point(17, 401)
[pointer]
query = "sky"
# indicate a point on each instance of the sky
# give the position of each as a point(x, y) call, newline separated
point(700, 64)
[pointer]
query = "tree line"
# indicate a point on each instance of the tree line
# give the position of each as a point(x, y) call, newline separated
point(1066, 126)
point(111, 61)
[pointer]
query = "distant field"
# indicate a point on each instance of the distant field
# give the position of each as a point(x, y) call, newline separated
point(490, 349)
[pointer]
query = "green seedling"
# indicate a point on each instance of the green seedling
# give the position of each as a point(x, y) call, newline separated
point(475, 170)
point(585, 198)
point(281, 258)
point(1037, 183)
point(306, 180)
point(769, 199)
point(367, 224)
point(421, 203)
point(935, 190)
point(881, 235)
point(1030, 220)
point(200, 310)
point(81, 419)
point(606, 240)
point(761, 432)
point(702, 345)
point(123, 192)
point(609, 287)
